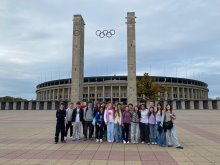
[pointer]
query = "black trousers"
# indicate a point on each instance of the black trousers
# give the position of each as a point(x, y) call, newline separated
point(69, 125)
point(125, 131)
point(83, 127)
point(88, 124)
point(60, 127)
point(144, 132)
point(99, 132)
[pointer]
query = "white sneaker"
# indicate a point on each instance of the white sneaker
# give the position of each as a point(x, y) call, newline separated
point(148, 143)
point(142, 142)
point(65, 138)
point(100, 140)
point(152, 143)
point(97, 140)
point(128, 142)
point(124, 141)
point(71, 137)
point(155, 143)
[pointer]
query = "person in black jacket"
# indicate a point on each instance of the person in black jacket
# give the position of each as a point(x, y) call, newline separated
point(60, 126)
point(77, 118)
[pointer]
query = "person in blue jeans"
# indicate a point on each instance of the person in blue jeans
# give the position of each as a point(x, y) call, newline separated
point(152, 125)
point(109, 121)
point(117, 124)
point(161, 138)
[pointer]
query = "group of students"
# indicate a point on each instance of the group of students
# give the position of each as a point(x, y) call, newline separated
point(118, 123)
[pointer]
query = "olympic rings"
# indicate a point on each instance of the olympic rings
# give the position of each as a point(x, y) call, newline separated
point(107, 33)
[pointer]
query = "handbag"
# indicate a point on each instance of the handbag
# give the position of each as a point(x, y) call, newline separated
point(168, 125)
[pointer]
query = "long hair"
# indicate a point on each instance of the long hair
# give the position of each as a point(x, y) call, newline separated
point(171, 108)
point(161, 109)
point(151, 112)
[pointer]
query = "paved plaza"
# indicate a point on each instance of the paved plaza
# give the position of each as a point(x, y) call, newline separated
point(27, 137)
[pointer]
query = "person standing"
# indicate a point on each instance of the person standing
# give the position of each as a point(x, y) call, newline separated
point(88, 117)
point(161, 138)
point(60, 125)
point(69, 112)
point(109, 121)
point(77, 118)
point(99, 118)
point(126, 121)
point(117, 124)
point(171, 135)
point(144, 127)
point(152, 125)
point(135, 125)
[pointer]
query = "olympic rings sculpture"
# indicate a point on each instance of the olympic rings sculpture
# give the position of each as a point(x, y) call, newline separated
point(107, 33)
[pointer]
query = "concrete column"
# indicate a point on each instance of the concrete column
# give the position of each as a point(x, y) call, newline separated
point(63, 94)
point(58, 93)
point(218, 104)
point(191, 105)
point(165, 96)
point(53, 94)
point(201, 105)
point(37, 105)
point(178, 93)
point(171, 93)
point(103, 93)
point(183, 106)
point(111, 95)
point(29, 105)
point(77, 59)
point(7, 106)
point(95, 93)
point(45, 105)
point(210, 105)
point(183, 93)
point(119, 94)
point(131, 59)
point(22, 105)
point(68, 94)
point(188, 94)
point(14, 105)
point(53, 105)
point(174, 104)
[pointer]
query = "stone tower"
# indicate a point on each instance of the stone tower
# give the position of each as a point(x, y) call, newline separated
point(77, 59)
point(131, 58)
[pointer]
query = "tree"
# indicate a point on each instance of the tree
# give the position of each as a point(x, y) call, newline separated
point(149, 89)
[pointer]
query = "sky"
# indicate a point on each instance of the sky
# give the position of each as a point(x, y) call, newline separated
point(178, 38)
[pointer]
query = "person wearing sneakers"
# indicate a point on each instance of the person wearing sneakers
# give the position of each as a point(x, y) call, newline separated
point(60, 126)
point(126, 120)
point(77, 118)
point(69, 112)
point(170, 133)
point(99, 121)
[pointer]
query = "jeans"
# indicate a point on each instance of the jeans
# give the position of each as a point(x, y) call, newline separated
point(125, 131)
point(153, 133)
point(161, 136)
point(76, 130)
point(88, 124)
point(117, 132)
point(134, 132)
point(69, 125)
point(144, 132)
point(172, 137)
point(110, 131)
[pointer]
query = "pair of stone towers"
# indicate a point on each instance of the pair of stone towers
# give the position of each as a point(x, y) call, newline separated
point(78, 59)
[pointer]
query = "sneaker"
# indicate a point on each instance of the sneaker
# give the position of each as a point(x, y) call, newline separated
point(100, 140)
point(169, 146)
point(78, 139)
point(71, 137)
point(65, 138)
point(155, 143)
point(55, 142)
point(97, 140)
point(142, 142)
point(148, 143)
point(124, 141)
point(179, 147)
point(152, 143)
point(128, 142)
point(64, 141)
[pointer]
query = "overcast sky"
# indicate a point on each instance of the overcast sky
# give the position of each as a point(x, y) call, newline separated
point(173, 38)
